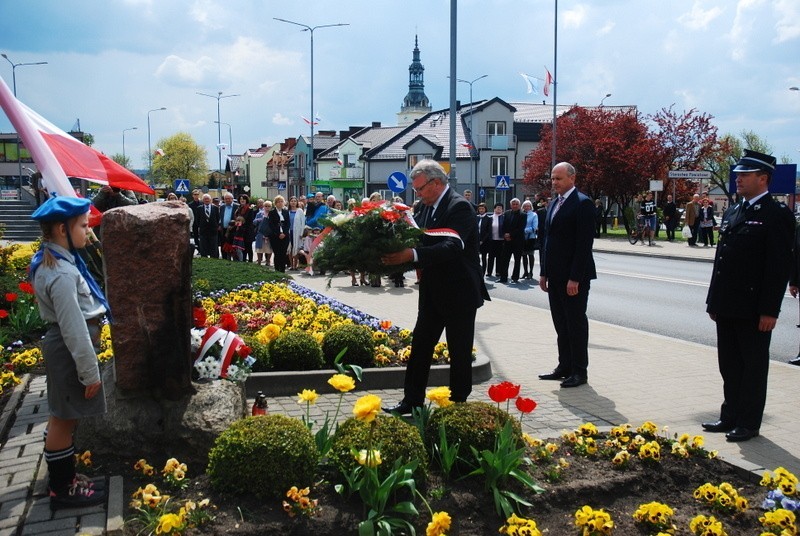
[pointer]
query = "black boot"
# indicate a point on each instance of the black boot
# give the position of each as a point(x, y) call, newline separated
point(67, 491)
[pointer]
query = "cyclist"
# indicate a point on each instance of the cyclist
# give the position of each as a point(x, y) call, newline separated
point(648, 214)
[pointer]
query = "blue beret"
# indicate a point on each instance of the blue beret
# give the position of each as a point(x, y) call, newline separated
point(61, 208)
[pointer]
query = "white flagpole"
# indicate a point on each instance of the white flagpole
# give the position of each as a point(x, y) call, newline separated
point(555, 78)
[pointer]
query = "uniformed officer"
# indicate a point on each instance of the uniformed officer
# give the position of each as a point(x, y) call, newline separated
point(751, 270)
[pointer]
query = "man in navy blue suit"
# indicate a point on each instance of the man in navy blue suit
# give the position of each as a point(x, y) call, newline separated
point(451, 286)
point(566, 268)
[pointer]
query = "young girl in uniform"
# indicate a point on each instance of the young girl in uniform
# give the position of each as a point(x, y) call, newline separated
point(72, 304)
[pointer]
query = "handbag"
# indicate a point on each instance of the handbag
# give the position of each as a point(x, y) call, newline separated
point(686, 232)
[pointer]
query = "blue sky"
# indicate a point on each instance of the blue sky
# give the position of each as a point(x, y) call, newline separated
point(111, 61)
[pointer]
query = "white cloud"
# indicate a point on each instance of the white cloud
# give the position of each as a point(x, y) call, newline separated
point(280, 119)
point(574, 18)
point(207, 13)
point(699, 18)
point(182, 72)
point(742, 26)
point(788, 26)
point(606, 29)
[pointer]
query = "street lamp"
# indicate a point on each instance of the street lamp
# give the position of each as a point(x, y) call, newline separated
point(471, 142)
point(149, 150)
point(311, 29)
point(124, 130)
point(218, 96)
point(14, 85)
point(793, 88)
point(604, 98)
point(230, 136)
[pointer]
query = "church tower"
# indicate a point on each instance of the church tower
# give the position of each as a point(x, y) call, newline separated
point(416, 103)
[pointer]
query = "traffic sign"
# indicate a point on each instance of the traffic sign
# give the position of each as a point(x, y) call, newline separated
point(182, 186)
point(397, 182)
point(482, 193)
point(281, 185)
point(502, 182)
point(683, 174)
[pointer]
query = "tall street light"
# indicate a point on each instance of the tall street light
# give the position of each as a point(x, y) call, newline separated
point(470, 141)
point(311, 29)
point(149, 150)
point(219, 96)
point(124, 130)
point(604, 98)
point(230, 143)
point(14, 85)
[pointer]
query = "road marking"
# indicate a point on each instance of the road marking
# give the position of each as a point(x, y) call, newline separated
point(655, 278)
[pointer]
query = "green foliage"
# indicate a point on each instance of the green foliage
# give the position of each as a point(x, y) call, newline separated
point(393, 437)
point(217, 274)
point(295, 350)
point(472, 424)
point(263, 456)
point(183, 158)
point(356, 339)
point(259, 352)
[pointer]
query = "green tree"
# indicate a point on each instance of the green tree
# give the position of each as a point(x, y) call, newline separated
point(123, 161)
point(182, 158)
point(727, 152)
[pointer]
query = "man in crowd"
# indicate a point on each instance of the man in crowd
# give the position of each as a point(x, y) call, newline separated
point(451, 287)
point(566, 268)
point(206, 228)
point(514, 221)
point(692, 219)
point(752, 266)
point(111, 197)
point(226, 214)
point(670, 212)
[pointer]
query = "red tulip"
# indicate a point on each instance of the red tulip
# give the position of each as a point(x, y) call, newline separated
point(228, 322)
point(199, 317)
point(525, 405)
point(26, 287)
point(3, 313)
point(11, 297)
point(503, 391)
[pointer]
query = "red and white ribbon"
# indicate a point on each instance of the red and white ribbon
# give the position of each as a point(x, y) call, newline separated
point(230, 342)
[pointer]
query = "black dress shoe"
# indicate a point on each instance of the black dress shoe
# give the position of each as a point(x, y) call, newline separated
point(718, 426)
point(740, 433)
point(555, 375)
point(574, 381)
point(403, 408)
point(795, 361)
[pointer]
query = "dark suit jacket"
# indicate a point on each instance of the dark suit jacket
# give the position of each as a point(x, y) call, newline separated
point(753, 260)
point(205, 226)
point(451, 271)
point(514, 224)
point(566, 252)
point(275, 225)
point(484, 230)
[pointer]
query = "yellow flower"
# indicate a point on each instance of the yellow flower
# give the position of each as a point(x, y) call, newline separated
point(169, 522)
point(367, 408)
point(342, 383)
point(307, 396)
point(439, 525)
point(370, 458)
point(440, 396)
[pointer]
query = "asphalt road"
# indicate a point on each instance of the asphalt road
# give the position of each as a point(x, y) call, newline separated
point(656, 295)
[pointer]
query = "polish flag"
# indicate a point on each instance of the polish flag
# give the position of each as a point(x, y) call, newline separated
point(58, 155)
point(548, 79)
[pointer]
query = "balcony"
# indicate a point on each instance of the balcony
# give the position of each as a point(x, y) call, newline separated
point(347, 173)
point(495, 142)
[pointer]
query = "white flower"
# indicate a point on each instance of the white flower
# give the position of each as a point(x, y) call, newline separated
point(196, 338)
point(340, 219)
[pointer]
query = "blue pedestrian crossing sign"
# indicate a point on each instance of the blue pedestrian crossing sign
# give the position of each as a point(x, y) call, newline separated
point(502, 182)
point(397, 182)
point(182, 186)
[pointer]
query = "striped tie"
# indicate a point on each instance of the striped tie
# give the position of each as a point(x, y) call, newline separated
point(558, 206)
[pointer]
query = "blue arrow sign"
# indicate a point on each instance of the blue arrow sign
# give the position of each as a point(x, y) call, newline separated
point(397, 182)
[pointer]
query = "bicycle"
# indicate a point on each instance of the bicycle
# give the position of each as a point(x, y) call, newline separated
point(640, 231)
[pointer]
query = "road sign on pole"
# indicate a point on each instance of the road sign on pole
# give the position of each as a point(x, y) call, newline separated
point(683, 174)
point(182, 186)
point(397, 182)
point(502, 182)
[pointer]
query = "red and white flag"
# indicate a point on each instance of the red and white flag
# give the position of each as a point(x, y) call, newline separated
point(58, 155)
point(548, 79)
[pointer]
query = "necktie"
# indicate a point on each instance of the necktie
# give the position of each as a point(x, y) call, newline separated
point(745, 204)
point(558, 205)
point(208, 211)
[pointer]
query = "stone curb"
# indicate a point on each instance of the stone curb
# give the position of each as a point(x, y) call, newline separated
point(292, 382)
point(634, 253)
point(11, 407)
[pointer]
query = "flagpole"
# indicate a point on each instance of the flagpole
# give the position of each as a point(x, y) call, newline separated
point(555, 80)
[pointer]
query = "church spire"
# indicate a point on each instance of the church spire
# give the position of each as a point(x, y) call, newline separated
point(416, 103)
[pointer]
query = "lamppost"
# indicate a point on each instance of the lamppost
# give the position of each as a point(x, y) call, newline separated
point(793, 88)
point(14, 86)
point(230, 143)
point(149, 150)
point(218, 96)
point(311, 29)
point(124, 130)
point(604, 98)
point(470, 141)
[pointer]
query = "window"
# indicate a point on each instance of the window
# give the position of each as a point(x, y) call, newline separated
point(499, 165)
point(413, 159)
point(496, 128)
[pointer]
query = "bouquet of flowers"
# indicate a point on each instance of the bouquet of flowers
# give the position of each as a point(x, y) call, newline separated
point(356, 240)
point(219, 351)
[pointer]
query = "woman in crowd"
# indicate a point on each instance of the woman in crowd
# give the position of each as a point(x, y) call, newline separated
point(261, 223)
point(248, 230)
point(297, 217)
point(279, 227)
point(529, 244)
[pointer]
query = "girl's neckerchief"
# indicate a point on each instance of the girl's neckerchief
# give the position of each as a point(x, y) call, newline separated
point(94, 288)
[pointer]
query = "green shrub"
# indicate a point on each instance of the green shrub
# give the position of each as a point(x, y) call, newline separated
point(259, 352)
point(475, 424)
point(393, 437)
point(295, 350)
point(358, 341)
point(263, 456)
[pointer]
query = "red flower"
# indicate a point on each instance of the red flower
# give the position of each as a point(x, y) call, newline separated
point(11, 297)
point(26, 287)
point(199, 317)
point(390, 215)
point(243, 351)
point(401, 206)
point(366, 207)
point(503, 391)
point(228, 322)
point(386, 324)
point(525, 405)
point(3, 313)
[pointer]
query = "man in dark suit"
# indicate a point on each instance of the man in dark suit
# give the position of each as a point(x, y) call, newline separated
point(205, 229)
point(566, 268)
point(279, 227)
point(514, 221)
point(484, 235)
point(451, 287)
point(751, 269)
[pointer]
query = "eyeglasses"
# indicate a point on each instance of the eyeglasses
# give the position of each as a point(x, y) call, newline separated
point(418, 190)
